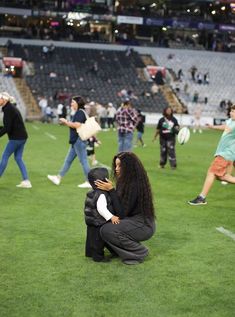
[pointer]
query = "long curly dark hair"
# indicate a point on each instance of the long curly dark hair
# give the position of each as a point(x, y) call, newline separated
point(133, 175)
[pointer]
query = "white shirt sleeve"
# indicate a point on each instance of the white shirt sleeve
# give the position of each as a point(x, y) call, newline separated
point(102, 208)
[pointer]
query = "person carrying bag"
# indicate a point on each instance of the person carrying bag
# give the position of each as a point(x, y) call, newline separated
point(89, 128)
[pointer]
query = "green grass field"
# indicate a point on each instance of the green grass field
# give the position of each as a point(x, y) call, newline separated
point(190, 269)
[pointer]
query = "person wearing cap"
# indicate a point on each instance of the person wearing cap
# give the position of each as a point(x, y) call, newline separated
point(13, 126)
point(77, 146)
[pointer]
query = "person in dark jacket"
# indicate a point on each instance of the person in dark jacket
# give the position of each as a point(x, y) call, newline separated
point(133, 197)
point(13, 126)
point(140, 129)
point(98, 210)
point(167, 128)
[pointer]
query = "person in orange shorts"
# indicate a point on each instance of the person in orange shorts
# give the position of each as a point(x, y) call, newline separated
point(223, 161)
point(230, 170)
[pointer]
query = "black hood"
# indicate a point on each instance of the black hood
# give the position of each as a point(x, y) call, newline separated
point(97, 173)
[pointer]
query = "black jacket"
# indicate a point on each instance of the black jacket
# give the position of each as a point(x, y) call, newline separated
point(13, 123)
point(168, 128)
point(92, 217)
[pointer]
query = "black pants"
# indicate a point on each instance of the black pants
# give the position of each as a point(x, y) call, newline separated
point(103, 123)
point(94, 244)
point(167, 149)
point(111, 123)
point(124, 238)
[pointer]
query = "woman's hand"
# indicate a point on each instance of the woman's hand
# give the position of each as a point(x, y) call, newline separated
point(63, 121)
point(107, 186)
point(70, 124)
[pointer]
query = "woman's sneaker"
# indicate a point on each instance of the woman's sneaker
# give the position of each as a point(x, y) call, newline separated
point(54, 179)
point(95, 162)
point(197, 201)
point(85, 185)
point(25, 184)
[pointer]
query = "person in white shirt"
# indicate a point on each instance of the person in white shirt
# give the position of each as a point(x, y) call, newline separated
point(60, 110)
point(111, 115)
point(98, 210)
point(43, 103)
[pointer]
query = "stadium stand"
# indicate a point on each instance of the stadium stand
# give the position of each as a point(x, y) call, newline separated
point(69, 71)
point(220, 67)
point(72, 63)
point(8, 84)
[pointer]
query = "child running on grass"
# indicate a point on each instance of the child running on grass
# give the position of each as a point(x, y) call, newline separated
point(224, 157)
point(92, 142)
point(140, 129)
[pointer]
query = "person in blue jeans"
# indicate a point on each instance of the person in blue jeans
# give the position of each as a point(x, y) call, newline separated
point(77, 146)
point(127, 119)
point(13, 126)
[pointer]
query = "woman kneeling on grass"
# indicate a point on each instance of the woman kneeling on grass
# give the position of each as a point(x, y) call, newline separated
point(133, 195)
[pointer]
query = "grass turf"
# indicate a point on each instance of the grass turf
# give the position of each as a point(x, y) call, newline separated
point(190, 269)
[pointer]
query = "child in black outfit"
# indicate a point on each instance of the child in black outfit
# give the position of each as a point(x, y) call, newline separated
point(140, 129)
point(92, 142)
point(98, 210)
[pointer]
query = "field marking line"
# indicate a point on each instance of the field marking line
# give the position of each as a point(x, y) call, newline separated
point(226, 232)
point(35, 127)
point(51, 136)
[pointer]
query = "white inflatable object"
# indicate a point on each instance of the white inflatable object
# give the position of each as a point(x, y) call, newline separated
point(183, 135)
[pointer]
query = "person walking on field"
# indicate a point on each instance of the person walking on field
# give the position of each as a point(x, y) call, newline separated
point(15, 129)
point(140, 129)
point(197, 118)
point(224, 157)
point(167, 128)
point(127, 119)
point(77, 146)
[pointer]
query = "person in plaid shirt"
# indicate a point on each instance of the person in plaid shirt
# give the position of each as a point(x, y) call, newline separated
point(127, 119)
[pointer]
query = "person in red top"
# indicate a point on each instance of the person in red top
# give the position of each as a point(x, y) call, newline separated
point(127, 119)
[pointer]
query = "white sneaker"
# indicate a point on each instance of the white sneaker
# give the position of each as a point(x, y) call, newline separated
point(25, 184)
point(54, 179)
point(224, 183)
point(94, 163)
point(85, 185)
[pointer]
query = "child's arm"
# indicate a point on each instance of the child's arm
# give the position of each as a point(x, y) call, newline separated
point(217, 127)
point(115, 220)
point(222, 127)
point(103, 210)
point(108, 186)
